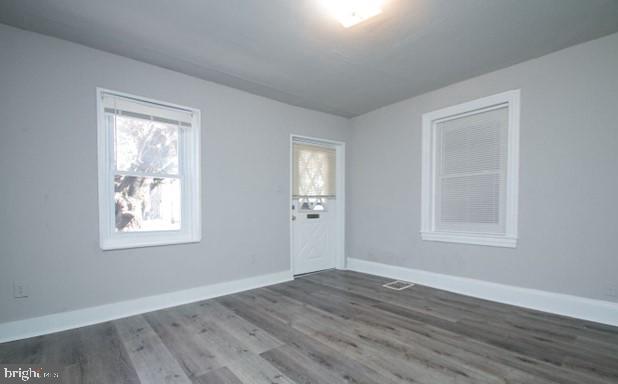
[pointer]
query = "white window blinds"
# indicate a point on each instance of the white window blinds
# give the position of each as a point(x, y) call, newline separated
point(313, 171)
point(471, 172)
point(151, 111)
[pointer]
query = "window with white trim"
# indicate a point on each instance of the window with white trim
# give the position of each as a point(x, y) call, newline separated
point(149, 172)
point(470, 172)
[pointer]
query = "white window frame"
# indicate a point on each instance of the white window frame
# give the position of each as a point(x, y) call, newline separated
point(189, 164)
point(510, 99)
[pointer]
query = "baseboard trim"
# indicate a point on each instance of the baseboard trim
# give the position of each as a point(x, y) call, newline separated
point(63, 321)
point(573, 306)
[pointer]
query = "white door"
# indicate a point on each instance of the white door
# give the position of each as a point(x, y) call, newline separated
point(314, 207)
point(313, 237)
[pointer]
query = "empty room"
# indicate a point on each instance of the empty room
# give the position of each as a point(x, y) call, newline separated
point(309, 191)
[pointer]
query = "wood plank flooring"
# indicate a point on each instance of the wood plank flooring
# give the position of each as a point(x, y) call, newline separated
point(329, 328)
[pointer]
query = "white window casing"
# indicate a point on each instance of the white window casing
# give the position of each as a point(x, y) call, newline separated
point(148, 172)
point(470, 172)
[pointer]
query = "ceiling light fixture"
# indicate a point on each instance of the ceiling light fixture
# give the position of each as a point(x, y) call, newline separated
point(352, 12)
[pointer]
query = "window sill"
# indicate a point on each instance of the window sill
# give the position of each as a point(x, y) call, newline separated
point(127, 242)
point(471, 238)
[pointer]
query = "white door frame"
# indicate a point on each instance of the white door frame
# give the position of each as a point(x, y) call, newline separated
point(340, 262)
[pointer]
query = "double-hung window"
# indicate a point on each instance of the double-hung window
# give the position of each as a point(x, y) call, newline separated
point(470, 172)
point(149, 172)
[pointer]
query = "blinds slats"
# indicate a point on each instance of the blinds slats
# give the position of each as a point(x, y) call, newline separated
point(313, 171)
point(126, 106)
point(471, 172)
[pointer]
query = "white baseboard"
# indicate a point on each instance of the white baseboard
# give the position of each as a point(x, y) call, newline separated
point(56, 322)
point(573, 306)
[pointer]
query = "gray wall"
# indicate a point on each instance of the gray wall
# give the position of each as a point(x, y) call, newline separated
point(568, 178)
point(48, 197)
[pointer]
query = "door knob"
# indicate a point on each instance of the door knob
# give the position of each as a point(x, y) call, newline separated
point(293, 217)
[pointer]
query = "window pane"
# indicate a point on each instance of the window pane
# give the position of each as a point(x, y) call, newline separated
point(314, 170)
point(147, 204)
point(145, 146)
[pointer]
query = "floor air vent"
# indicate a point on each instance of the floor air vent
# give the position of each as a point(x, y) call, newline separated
point(398, 285)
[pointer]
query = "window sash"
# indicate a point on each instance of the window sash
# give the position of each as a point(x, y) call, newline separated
point(148, 174)
point(111, 126)
point(110, 120)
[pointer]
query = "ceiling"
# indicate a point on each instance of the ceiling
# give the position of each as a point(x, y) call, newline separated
point(290, 50)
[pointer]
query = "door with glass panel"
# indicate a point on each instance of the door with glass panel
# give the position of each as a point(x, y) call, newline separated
point(314, 207)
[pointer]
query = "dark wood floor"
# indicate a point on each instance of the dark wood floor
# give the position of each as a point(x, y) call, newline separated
point(332, 327)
